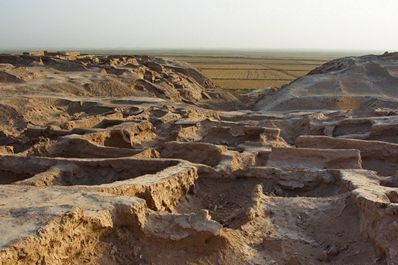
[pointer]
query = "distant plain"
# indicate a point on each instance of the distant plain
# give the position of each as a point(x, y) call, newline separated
point(239, 70)
point(252, 73)
point(242, 70)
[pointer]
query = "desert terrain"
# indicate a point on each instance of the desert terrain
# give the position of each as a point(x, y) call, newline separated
point(126, 159)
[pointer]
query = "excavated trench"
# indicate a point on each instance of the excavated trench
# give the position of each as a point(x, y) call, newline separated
point(277, 201)
point(321, 221)
point(98, 174)
point(72, 172)
point(228, 199)
point(9, 177)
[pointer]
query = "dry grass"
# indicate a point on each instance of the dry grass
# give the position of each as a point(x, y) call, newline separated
point(297, 73)
point(250, 72)
point(294, 67)
point(245, 74)
point(249, 84)
point(228, 66)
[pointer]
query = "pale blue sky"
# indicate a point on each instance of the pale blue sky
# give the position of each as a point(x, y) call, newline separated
point(252, 24)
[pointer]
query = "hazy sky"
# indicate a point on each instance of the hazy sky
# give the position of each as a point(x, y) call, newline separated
point(256, 24)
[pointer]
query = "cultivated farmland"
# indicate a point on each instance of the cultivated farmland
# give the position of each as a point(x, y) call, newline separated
point(238, 73)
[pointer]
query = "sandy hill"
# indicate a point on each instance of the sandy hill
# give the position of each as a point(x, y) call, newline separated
point(357, 83)
point(113, 76)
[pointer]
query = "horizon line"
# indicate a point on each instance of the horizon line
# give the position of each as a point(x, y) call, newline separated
point(190, 49)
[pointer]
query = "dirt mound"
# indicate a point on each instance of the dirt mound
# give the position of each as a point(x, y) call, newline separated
point(110, 76)
point(358, 84)
point(139, 160)
point(9, 73)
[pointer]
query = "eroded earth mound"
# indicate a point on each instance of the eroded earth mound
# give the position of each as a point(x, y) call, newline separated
point(359, 84)
point(141, 160)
